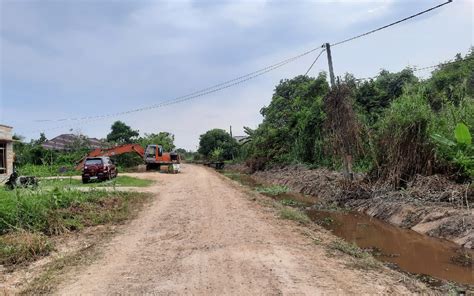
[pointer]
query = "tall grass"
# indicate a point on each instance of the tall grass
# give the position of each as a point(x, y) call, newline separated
point(28, 217)
point(59, 210)
point(47, 170)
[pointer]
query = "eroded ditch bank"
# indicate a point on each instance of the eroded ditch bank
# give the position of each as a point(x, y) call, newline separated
point(409, 250)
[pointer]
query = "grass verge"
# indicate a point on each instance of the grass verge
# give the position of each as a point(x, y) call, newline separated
point(293, 214)
point(28, 217)
point(48, 280)
point(48, 170)
point(22, 246)
point(272, 190)
point(364, 259)
point(120, 181)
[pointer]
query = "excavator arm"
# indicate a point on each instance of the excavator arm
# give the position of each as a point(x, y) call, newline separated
point(126, 148)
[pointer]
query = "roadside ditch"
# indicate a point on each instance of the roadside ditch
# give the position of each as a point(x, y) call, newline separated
point(436, 260)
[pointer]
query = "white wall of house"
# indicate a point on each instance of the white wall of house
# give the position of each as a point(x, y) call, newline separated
point(6, 138)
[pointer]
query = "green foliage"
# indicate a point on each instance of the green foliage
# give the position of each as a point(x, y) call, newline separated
point(32, 159)
point(453, 82)
point(291, 203)
point(293, 214)
point(164, 139)
point(461, 151)
point(402, 138)
point(272, 190)
point(292, 128)
point(218, 143)
point(374, 95)
point(48, 170)
point(53, 212)
point(186, 155)
point(22, 246)
point(397, 117)
point(217, 154)
point(121, 133)
point(462, 134)
point(120, 181)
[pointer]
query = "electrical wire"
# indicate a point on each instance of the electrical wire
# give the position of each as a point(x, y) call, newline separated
point(238, 80)
point(314, 62)
point(206, 90)
point(416, 69)
point(391, 24)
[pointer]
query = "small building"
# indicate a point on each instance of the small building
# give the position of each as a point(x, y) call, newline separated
point(6, 151)
point(66, 142)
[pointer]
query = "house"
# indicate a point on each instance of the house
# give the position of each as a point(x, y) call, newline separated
point(6, 151)
point(66, 142)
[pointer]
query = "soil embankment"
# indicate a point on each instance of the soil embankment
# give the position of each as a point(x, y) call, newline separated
point(429, 205)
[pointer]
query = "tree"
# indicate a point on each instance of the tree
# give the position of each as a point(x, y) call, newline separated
point(122, 133)
point(293, 122)
point(164, 139)
point(218, 140)
point(41, 139)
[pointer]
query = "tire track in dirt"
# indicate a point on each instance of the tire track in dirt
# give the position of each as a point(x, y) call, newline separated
point(202, 236)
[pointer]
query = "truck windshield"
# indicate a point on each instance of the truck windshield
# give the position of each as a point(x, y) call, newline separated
point(93, 161)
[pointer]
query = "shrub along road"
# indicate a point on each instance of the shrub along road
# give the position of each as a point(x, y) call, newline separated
point(203, 234)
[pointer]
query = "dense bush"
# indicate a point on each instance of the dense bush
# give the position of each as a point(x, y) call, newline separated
point(218, 145)
point(395, 125)
point(403, 147)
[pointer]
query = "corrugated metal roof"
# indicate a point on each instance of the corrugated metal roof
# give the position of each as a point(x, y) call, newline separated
point(65, 141)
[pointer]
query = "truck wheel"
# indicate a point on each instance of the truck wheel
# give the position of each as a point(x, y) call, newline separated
point(85, 180)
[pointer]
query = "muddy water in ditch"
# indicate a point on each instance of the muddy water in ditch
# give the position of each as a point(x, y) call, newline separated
point(409, 250)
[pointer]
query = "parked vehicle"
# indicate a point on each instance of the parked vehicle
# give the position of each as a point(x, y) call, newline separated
point(153, 156)
point(98, 168)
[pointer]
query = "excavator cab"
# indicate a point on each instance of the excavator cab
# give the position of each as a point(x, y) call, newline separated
point(155, 158)
point(151, 151)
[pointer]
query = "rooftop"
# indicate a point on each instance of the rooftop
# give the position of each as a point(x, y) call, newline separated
point(66, 141)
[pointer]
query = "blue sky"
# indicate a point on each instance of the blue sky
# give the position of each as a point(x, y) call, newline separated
point(67, 59)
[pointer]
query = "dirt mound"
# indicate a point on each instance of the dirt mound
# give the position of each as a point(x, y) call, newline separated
point(321, 183)
point(432, 205)
point(438, 188)
point(238, 167)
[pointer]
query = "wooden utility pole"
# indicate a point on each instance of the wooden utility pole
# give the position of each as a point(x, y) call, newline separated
point(347, 161)
point(331, 70)
point(230, 130)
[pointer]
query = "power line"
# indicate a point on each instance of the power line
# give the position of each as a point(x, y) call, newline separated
point(239, 79)
point(391, 24)
point(314, 61)
point(206, 90)
point(201, 93)
point(416, 69)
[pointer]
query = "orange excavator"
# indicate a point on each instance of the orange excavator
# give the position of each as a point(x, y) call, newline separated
point(153, 156)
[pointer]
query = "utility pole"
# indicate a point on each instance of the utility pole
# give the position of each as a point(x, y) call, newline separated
point(331, 70)
point(347, 161)
point(231, 130)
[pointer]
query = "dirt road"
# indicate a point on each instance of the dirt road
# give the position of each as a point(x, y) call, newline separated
point(203, 235)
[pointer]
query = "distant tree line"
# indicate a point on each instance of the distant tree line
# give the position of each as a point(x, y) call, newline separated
point(32, 153)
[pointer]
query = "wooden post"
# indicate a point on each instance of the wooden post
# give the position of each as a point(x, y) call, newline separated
point(331, 70)
point(347, 158)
